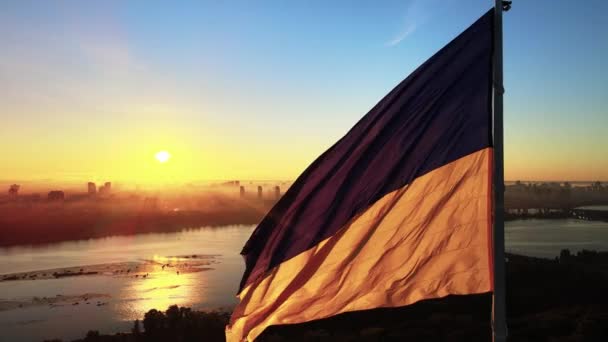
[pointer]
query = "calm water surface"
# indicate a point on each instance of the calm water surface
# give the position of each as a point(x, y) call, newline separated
point(546, 238)
point(130, 298)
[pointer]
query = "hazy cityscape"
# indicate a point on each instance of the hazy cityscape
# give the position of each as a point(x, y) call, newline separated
point(79, 214)
point(68, 215)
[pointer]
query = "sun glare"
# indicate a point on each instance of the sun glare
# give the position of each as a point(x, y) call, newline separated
point(162, 156)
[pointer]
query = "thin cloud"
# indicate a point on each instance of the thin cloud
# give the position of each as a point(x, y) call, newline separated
point(416, 14)
point(401, 36)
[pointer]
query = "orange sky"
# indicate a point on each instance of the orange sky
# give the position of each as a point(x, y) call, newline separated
point(92, 92)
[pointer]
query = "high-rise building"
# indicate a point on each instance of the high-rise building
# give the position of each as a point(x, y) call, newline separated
point(91, 188)
point(242, 191)
point(259, 191)
point(13, 191)
point(277, 192)
point(104, 189)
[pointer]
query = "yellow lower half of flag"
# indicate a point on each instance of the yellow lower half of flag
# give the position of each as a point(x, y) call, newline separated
point(426, 240)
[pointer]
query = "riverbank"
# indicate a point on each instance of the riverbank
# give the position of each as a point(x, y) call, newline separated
point(561, 299)
point(585, 213)
point(45, 224)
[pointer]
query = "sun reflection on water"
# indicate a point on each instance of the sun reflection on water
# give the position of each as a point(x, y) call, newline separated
point(163, 283)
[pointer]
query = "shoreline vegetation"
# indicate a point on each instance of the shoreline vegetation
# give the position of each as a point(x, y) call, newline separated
point(561, 299)
point(557, 214)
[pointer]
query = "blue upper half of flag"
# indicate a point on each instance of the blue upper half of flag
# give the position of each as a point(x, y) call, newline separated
point(438, 114)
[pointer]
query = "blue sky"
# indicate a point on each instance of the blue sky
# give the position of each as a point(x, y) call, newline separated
point(239, 88)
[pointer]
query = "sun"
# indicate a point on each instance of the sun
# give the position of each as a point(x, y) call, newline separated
point(162, 156)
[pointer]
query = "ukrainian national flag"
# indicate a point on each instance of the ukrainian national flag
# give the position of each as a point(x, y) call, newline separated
point(399, 210)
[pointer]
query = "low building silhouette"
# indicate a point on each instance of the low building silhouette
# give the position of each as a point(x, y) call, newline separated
point(231, 183)
point(56, 196)
point(597, 186)
point(277, 192)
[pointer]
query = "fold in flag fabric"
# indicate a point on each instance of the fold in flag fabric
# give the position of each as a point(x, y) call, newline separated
point(397, 211)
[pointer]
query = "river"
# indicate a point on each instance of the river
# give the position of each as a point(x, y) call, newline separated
point(122, 298)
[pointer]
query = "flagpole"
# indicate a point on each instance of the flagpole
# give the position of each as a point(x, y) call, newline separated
point(499, 321)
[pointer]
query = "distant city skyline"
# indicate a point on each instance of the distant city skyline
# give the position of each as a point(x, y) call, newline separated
point(95, 91)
